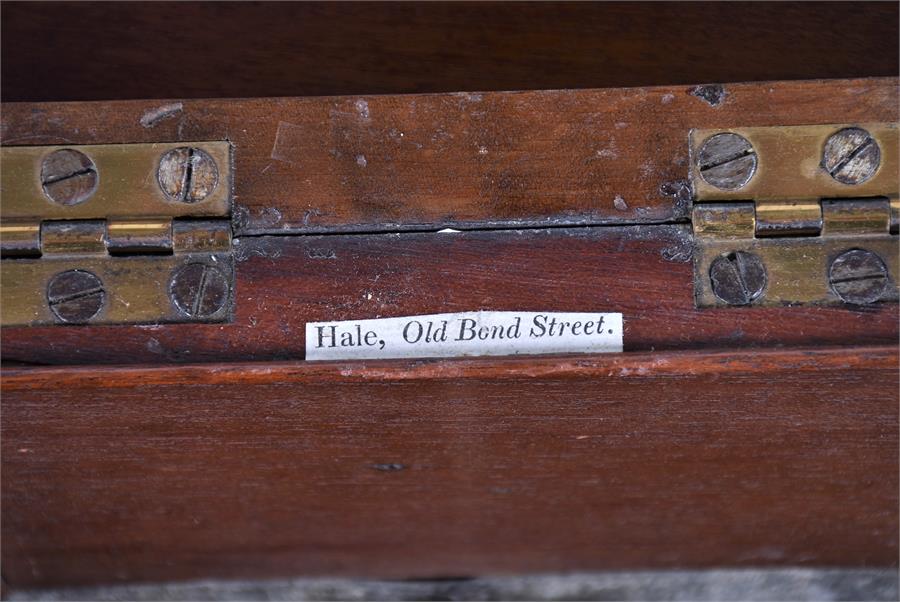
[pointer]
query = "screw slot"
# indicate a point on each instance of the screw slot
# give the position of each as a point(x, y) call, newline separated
point(68, 177)
point(727, 161)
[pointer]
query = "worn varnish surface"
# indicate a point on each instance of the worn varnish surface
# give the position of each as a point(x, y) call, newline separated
point(371, 163)
point(284, 282)
point(50, 51)
point(450, 468)
point(674, 458)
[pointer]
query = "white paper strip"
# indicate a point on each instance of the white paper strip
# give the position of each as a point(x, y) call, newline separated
point(465, 334)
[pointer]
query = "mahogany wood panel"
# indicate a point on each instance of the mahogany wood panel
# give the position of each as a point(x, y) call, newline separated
point(450, 468)
point(283, 282)
point(100, 51)
point(373, 163)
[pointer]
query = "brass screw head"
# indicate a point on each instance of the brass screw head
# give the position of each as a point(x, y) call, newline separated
point(851, 156)
point(199, 290)
point(187, 175)
point(738, 278)
point(68, 177)
point(858, 276)
point(75, 296)
point(727, 161)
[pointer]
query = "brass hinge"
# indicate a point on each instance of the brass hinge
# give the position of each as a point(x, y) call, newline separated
point(116, 234)
point(796, 215)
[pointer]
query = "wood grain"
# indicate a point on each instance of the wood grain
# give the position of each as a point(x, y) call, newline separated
point(283, 282)
point(100, 51)
point(468, 160)
point(450, 468)
point(673, 455)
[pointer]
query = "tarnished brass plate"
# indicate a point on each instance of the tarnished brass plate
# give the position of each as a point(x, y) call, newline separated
point(789, 164)
point(116, 234)
point(789, 215)
point(797, 269)
point(121, 180)
point(127, 290)
point(790, 270)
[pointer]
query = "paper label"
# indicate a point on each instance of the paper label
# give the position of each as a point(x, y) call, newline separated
point(465, 334)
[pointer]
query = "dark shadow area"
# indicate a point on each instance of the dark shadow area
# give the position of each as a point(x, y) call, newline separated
point(90, 51)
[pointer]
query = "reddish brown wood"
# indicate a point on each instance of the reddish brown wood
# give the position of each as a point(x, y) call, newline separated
point(437, 468)
point(285, 282)
point(99, 51)
point(374, 163)
point(445, 468)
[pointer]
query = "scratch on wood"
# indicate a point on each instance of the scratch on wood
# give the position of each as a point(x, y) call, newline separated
point(37, 139)
point(288, 140)
point(154, 346)
point(154, 116)
point(309, 214)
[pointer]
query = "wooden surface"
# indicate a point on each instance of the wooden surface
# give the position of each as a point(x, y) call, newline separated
point(472, 160)
point(285, 281)
point(101, 51)
point(451, 468)
point(659, 458)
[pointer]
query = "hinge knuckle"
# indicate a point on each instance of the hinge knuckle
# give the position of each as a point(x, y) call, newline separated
point(202, 236)
point(144, 225)
point(895, 215)
point(848, 217)
point(724, 220)
point(139, 235)
point(813, 209)
point(788, 218)
point(20, 239)
point(73, 238)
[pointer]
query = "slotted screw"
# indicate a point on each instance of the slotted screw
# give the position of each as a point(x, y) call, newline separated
point(851, 156)
point(727, 161)
point(858, 276)
point(187, 175)
point(68, 177)
point(198, 290)
point(75, 296)
point(738, 278)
